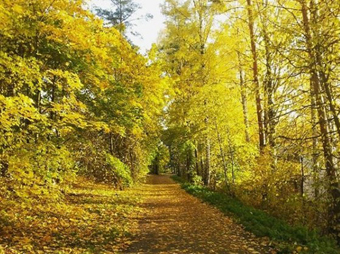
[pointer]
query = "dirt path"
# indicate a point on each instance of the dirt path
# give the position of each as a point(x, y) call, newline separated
point(175, 222)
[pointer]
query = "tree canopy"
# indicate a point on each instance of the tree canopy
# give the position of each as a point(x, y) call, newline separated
point(239, 96)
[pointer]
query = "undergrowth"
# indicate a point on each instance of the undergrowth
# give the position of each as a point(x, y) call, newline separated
point(285, 237)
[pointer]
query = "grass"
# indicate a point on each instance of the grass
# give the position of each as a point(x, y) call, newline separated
point(286, 238)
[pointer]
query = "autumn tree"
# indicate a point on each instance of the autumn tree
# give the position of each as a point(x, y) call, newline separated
point(76, 99)
point(189, 27)
point(281, 66)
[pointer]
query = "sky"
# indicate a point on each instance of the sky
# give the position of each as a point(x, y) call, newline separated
point(148, 30)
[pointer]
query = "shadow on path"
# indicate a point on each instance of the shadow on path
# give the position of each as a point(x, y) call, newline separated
point(176, 222)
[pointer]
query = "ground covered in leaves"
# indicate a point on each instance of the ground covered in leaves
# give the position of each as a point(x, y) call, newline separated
point(156, 217)
point(173, 221)
point(89, 218)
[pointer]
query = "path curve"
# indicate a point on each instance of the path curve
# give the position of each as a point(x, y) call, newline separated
point(175, 222)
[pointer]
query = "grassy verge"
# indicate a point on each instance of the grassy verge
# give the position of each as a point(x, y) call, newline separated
point(90, 218)
point(286, 238)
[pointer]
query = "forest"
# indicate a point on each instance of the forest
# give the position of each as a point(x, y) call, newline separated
point(240, 97)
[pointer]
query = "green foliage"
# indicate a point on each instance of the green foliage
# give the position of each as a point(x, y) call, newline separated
point(120, 171)
point(197, 180)
point(160, 159)
point(285, 237)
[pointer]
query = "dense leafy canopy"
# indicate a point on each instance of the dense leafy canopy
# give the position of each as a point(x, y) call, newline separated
point(256, 110)
point(75, 98)
point(240, 96)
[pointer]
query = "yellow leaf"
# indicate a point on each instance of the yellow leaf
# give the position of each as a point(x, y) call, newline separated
point(18, 9)
point(25, 240)
point(47, 239)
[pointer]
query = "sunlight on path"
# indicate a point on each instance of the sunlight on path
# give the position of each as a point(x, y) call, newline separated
point(175, 222)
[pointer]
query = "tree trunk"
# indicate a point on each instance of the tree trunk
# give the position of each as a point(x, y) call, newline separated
point(259, 109)
point(197, 166)
point(111, 144)
point(224, 163)
point(243, 98)
point(207, 163)
point(270, 122)
point(334, 208)
point(315, 154)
